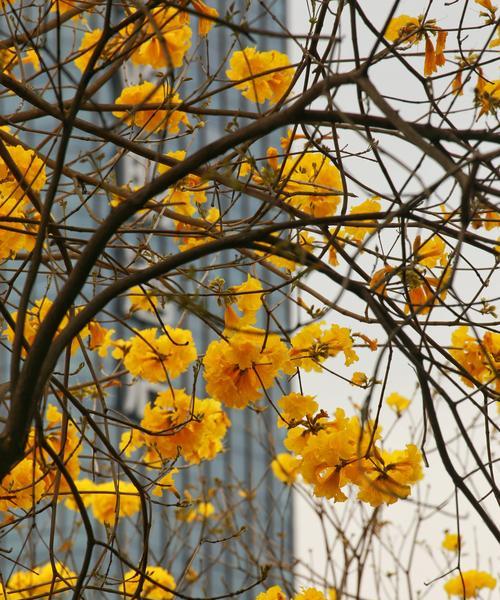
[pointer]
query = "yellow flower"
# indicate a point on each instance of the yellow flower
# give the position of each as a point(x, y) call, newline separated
point(272, 593)
point(141, 299)
point(248, 295)
point(8, 60)
point(400, 29)
point(110, 500)
point(153, 119)
point(488, 97)
point(202, 512)
point(305, 243)
point(362, 228)
point(120, 349)
point(450, 542)
point(487, 5)
point(85, 488)
point(87, 45)
point(310, 594)
point(100, 338)
point(23, 487)
point(311, 183)
point(165, 483)
point(167, 38)
point(482, 363)
point(397, 402)
point(468, 583)
point(63, 6)
point(154, 358)
point(359, 378)
point(431, 251)
point(66, 442)
point(178, 423)
point(247, 65)
point(31, 167)
point(41, 582)
point(16, 236)
point(286, 467)
point(295, 407)
point(388, 476)
point(312, 346)
point(34, 318)
point(187, 191)
point(31, 57)
point(205, 25)
point(487, 218)
point(329, 449)
point(161, 588)
point(239, 368)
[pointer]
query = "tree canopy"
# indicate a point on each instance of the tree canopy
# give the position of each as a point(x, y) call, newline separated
point(279, 218)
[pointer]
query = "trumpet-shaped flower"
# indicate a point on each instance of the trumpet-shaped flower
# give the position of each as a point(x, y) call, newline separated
point(158, 358)
point(42, 582)
point(167, 38)
point(451, 542)
point(157, 119)
point(312, 184)
point(468, 583)
point(238, 369)
point(177, 423)
point(286, 467)
point(397, 402)
point(313, 345)
point(261, 75)
point(161, 587)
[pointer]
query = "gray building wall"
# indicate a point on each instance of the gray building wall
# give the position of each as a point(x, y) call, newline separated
point(251, 441)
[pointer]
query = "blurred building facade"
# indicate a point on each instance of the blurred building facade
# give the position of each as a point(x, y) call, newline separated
point(250, 502)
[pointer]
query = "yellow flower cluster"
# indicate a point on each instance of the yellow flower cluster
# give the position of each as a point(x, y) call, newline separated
point(163, 39)
point(430, 252)
point(158, 358)
point(286, 467)
point(488, 96)
point(480, 360)
point(17, 235)
point(313, 345)
point(194, 236)
point(41, 582)
point(167, 38)
point(34, 317)
point(22, 487)
point(63, 6)
point(160, 588)
point(362, 228)
point(142, 299)
point(187, 192)
point(202, 511)
point(276, 593)
point(248, 299)
point(261, 75)
point(157, 119)
point(450, 542)
point(178, 424)
point(34, 477)
point(340, 451)
point(468, 583)
point(311, 183)
point(108, 501)
point(397, 402)
point(240, 367)
point(411, 30)
point(403, 28)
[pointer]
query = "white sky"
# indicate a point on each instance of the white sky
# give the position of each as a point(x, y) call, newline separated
point(479, 549)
